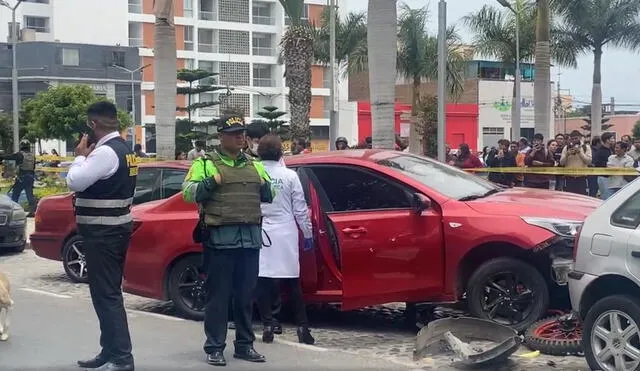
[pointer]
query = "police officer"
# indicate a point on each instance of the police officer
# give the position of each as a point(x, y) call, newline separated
point(103, 175)
point(26, 163)
point(229, 186)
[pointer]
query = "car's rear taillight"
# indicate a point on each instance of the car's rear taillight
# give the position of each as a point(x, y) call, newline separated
point(136, 225)
point(575, 243)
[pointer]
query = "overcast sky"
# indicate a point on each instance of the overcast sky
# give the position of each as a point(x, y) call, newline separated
point(620, 70)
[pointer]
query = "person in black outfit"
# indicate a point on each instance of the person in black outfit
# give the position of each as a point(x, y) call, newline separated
point(103, 175)
point(502, 157)
point(26, 163)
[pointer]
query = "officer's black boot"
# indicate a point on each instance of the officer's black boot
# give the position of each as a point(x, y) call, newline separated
point(216, 358)
point(304, 336)
point(97, 361)
point(249, 354)
point(277, 329)
point(118, 367)
point(267, 334)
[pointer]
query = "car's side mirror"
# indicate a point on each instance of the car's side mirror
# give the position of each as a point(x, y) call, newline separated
point(420, 203)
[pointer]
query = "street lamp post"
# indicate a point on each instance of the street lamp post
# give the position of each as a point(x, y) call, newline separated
point(14, 74)
point(333, 121)
point(515, 120)
point(133, 97)
point(442, 78)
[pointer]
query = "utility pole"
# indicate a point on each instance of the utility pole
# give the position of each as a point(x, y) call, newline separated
point(14, 74)
point(133, 97)
point(442, 77)
point(613, 106)
point(559, 106)
point(333, 116)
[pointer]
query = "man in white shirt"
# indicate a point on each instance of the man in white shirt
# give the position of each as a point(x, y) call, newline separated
point(198, 151)
point(103, 177)
point(618, 160)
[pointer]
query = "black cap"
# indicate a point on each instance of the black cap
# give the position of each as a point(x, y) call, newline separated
point(231, 124)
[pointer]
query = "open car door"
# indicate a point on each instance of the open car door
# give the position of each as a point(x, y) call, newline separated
point(308, 259)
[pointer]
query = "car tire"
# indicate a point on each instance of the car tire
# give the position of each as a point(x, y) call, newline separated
point(19, 249)
point(74, 261)
point(505, 267)
point(186, 287)
point(627, 305)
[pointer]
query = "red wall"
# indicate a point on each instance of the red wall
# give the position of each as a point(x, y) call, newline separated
point(462, 122)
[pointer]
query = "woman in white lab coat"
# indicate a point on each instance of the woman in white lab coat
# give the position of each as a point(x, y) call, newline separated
point(279, 260)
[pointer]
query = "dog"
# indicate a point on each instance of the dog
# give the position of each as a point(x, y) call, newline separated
point(5, 306)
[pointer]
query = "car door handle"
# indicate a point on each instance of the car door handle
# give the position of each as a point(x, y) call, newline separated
point(635, 254)
point(355, 230)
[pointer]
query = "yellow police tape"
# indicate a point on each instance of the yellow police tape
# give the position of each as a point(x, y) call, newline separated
point(567, 171)
point(51, 158)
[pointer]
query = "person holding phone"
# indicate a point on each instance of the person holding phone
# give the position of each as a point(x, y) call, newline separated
point(103, 175)
point(538, 157)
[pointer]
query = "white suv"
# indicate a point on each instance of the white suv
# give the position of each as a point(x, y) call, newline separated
point(605, 282)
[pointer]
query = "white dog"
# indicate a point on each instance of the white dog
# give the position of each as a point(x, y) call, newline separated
point(5, 306)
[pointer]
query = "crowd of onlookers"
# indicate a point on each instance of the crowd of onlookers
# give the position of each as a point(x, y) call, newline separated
point(570, 151)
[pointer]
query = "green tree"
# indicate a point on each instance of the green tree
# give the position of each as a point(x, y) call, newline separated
point(590, 25)
point(187, 130)
point(270, 116)
point(298, 52)
point(351, 35)
point(428, 124)
point(587, 126)
point(61, 112)
point(635, 132)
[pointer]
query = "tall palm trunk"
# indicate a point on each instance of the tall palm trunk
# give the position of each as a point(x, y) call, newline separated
point(514, 110)
point(542, 82)
point(165, 60)
point(414, 134)
point(382, 53)
point(596, 94)
point(297, 45)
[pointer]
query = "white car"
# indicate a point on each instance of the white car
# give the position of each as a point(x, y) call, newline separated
point(605, 282)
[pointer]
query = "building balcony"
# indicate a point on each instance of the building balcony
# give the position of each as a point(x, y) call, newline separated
point(206, 15)
point(264, 51)
point(207, 48)
point(263, 82)
point(264, 20)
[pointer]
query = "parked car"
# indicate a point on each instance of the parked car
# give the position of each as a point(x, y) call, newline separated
point(391, 227)
point(605, 282)
point(55, 236)
point(13, 225)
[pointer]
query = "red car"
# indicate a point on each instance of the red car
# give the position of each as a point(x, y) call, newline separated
point(55, 235)
point(391, 227)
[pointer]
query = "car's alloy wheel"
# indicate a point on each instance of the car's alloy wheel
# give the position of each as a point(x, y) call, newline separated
point(74, 260)
point(612, 334)
point(186, 287)
point(508, 291)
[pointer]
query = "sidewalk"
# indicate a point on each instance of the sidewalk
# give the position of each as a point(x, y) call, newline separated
point(50, 332)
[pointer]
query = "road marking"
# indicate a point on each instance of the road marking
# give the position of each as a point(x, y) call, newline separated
point(303, 346)
point(157, 315)
point(35, 291)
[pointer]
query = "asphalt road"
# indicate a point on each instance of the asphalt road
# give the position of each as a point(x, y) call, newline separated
point(50, 332)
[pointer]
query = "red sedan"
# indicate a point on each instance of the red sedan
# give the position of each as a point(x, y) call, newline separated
point(55, 235)
point(391, 227)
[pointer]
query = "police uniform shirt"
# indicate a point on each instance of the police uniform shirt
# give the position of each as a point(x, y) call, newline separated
point(101, 163)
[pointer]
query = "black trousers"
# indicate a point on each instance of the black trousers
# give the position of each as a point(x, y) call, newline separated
point(268, 291)
point(230, 273)
point(576, 185)
point(543, 185)
point(24, 182)
point(105, 251)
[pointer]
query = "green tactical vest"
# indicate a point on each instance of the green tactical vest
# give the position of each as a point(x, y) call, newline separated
point(237, 199)
point(28, 162)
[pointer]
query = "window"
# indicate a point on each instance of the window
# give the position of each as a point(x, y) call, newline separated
point(189, 64)
point(135, 34)
point(326, 107)
point(207, 10)
point(135, 6)
point(148, 186)
point(188, 8)
point(205, 41)
point(305, 15)
point(349, 189)
point(188, 37)
point(208, 66)
point(262, 44)
point(38, 24)
point(172, 182)
point(262, 13)
point(628, 214)
point(444, 179)
point(70, 57)
point(117, 58)
point(150, 138)
point(262, 75)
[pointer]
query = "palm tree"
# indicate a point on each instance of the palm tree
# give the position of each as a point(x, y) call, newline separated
point(416, 61)
point(164, 61)
point(351, 35)
point(589, 26)
point(495, 37)
point(542, 81)
point(297, 48)
point(382, 54)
